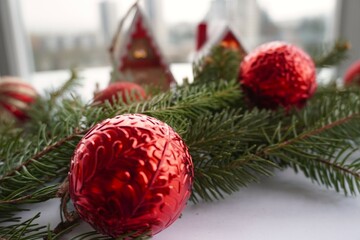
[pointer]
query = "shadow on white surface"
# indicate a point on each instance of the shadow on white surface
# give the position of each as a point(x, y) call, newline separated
point(283, 207)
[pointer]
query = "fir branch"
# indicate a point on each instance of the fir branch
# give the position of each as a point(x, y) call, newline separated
point(174, 108)
point(42, 153)
point(46, 160)
point(215, 180)
point(222, 64)
point(23, 183)
point(308, 153)
point(7, 123)
point(27, 230)
point(61, 229)
point(46, 109)
point(321, 141)
point(222, 146)
point(36, 196)
point(230, 146)
point(340, 167)
point(313, 132)
point(68, 86)
point(333, 56)
point(95, 235)
point(36, 170)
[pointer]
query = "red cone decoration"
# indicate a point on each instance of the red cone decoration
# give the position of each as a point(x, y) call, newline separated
point(276, 75)
point(16, 96)
point(352, 74)
point(130, 173)
point(127, 91)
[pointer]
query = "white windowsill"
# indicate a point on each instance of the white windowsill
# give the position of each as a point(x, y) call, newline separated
point(91, 76)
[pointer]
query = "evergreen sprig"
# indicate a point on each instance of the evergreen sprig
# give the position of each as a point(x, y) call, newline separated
point(231, 144)
point(222, 64)
point(331, 55)
point(27, 230)
point(94, 235)
point(47, 154)
point(68, 86)
point(222, 146)
point(325, 141)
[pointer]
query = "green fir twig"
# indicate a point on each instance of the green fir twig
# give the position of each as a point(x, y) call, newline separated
point(231, 145)
point(333, 56)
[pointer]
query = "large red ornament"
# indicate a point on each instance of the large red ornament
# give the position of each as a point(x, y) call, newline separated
point(352, 74)
point(278, 74)
point(128, 91)
point(130, 173)
point(16, 96)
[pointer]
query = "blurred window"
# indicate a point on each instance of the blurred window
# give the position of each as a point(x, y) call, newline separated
point(71, 33)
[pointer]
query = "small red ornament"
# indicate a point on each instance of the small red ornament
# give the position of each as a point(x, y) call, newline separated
point(352, 74)
point(16, 96)
point(278, 74)
point(130, 173)
point(125, 90)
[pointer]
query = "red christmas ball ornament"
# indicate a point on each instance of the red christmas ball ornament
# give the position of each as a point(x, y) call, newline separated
point(277, 74)
point(126, 90)
point(130, 173)
point(352, 74)
point(16, 96)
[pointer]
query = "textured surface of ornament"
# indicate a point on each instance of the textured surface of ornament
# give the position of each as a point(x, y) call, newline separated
point(125, 90)
point(130, 173)
point(352, 74)
point(16, 96)
point(277, 74)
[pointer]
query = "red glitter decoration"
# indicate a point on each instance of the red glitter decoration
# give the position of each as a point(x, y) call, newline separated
point(125, 90)
point(130, 173)
point(278, 74)
point(352, 74)
point(16, 96)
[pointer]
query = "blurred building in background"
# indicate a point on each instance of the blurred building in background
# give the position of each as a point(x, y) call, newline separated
point(63, 51)
point(109, 19)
